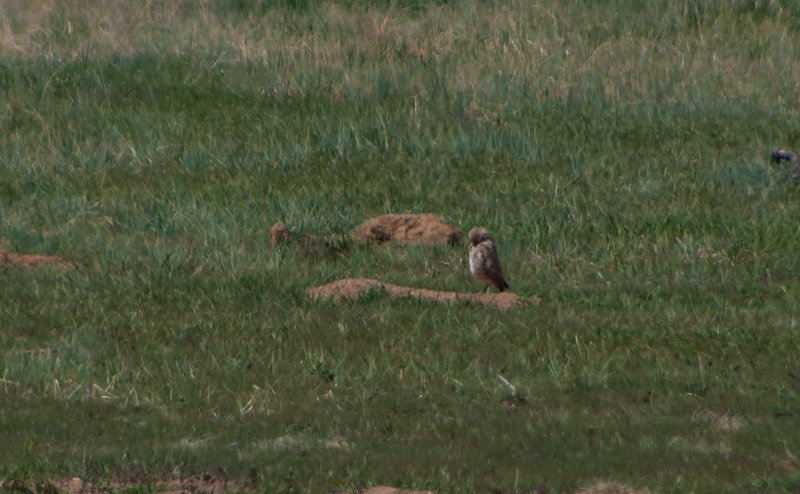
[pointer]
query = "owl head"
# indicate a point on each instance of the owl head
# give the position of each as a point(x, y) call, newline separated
point(478, 235)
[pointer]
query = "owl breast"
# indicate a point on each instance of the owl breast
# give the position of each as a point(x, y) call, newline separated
point(475, 260)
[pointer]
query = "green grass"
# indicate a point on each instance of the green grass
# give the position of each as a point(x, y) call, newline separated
point(618, 153)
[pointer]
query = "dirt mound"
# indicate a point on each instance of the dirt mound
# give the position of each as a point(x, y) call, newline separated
point(31, 261)
point(408, 229)
point(352, 288)
point(346, 288)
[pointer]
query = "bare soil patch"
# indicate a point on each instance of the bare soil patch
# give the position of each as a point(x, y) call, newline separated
point(352, 288)
point(404, 229)
point(31, 261)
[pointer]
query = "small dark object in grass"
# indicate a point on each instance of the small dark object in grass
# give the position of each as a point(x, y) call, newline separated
point(779, 154)
point(279, 233)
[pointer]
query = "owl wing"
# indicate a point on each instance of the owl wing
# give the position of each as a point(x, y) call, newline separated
point(491, 264)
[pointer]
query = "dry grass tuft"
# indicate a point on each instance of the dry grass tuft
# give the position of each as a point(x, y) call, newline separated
point(611, 487)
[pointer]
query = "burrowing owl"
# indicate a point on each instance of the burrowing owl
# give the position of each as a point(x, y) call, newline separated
point(484, 263)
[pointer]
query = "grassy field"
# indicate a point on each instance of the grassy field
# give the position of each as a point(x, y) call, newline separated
point(619, 152)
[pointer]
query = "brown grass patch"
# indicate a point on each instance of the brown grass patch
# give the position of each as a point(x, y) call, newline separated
point(208, 484)
point(352, 288)
point(786, 466)
point(31, 261)
point(611, 487)
point(383, 489)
